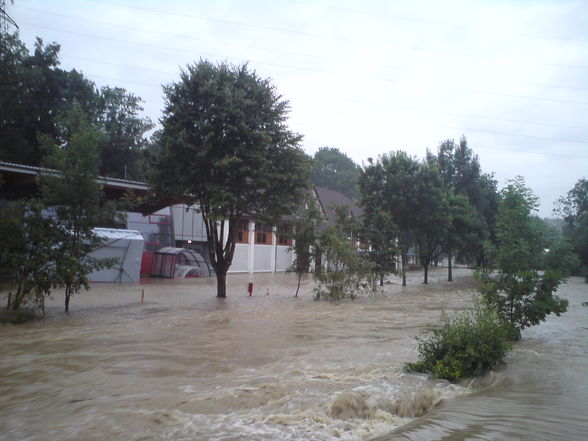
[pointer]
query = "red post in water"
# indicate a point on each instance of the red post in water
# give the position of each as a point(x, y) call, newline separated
point(250, 289)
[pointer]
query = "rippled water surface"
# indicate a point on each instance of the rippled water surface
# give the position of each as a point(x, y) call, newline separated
point(185, 365)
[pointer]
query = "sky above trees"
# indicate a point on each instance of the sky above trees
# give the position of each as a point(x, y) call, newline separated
point(365, 77)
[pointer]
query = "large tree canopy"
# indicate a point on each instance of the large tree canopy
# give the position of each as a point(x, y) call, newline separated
point(225, 144)
point(473, 200)
point(389, 192)
point(123, 149)
point(35, 93)
point(336, 171)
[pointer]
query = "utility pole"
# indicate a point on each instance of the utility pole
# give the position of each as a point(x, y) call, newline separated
point(5, 20)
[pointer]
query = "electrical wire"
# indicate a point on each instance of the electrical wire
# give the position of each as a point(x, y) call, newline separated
point(167, 34)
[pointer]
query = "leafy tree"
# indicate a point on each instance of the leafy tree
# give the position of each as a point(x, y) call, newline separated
point(471, 226)
point(123, 150)
point(381, 234)
point(306, 234)
point(13, 142)
point(29, 240)
point(225, 144)
point(378, 231)
point(465, 232)
point(389, 191)
point(432, 216)
point(518, 291)
point(33, 92)
point(71, 190)
point(347, 272)
point(336, 171)
point(574, 209)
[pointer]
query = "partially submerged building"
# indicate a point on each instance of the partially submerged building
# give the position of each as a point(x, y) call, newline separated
point(259, 247)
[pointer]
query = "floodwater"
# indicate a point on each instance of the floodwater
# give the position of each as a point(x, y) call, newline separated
point(184, 365)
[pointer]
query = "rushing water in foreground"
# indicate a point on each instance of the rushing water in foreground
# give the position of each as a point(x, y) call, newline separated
point(184, 365)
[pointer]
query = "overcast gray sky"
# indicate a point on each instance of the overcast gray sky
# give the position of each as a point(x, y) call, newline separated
point(368, 77)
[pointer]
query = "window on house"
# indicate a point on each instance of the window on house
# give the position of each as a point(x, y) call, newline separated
point(242, 231)
point(285, 234)
point(263, 234)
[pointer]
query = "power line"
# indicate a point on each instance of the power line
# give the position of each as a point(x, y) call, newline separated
point(291, 53)
point(510, 95)
point(461, 115)
point(511, 134)
point(521, 152)
point(422, 110)
point(229, 22)
point(540, 138)
point(526, 152)
point(168, 34)
point(289, 66)
point(5, 19)
point(558, 65)
point(167, 48)
point(440, 23)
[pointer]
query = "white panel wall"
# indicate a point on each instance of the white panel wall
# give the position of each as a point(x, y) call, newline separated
point(284, 258)
point(262, 258)
point(240, 259)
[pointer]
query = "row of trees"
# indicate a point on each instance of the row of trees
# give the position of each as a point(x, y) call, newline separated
point(443, 204)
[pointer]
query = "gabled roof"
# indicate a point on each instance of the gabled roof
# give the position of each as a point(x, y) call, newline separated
point(329, 200)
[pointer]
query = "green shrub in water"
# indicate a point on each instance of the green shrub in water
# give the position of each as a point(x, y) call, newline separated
point(465, 346)
point(21, 315)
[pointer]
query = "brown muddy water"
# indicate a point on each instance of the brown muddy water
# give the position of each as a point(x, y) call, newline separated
point(185, 365)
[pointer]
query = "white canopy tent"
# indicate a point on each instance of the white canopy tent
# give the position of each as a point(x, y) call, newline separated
point(127, 247)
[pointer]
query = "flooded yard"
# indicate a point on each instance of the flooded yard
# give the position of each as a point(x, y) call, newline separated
point(184, 365)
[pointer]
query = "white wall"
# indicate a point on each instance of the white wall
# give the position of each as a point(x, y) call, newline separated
point(240, 259)
point(263, 258)
point(248, 257)
point(284, 258)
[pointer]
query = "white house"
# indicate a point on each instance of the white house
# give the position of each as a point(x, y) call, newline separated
point(259, 248)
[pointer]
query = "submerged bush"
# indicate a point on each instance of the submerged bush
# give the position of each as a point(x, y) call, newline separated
point(465, 346)
point(347, 272)
point(21, 315)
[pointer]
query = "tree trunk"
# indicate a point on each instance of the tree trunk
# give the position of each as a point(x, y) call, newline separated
point(67, 297)
point(449, 269)
point(317, 264)
point(221, 281)
point(298, 287)
point(381, 279)
point(403, 269)
point(426, 266)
